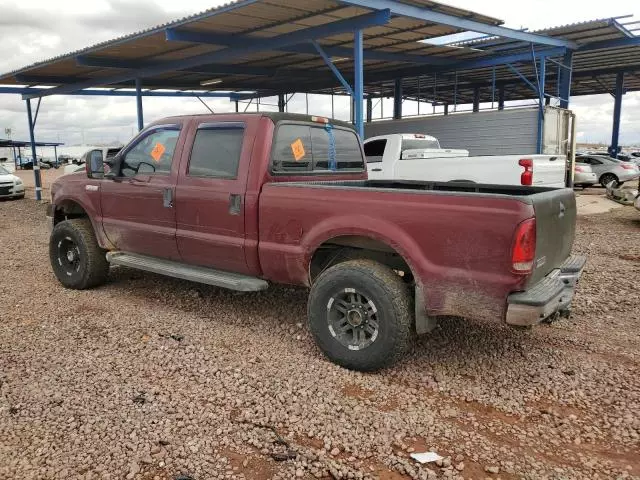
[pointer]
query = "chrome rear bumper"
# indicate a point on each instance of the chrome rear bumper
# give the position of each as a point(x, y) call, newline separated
point(551, 295)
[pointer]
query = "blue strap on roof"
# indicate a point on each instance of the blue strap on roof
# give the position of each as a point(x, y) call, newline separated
point(333, 164)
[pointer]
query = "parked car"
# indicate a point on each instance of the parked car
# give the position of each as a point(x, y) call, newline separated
point(412, 156)
point(11, 186)
point(610, 169)
point(243, 200)
point(96, 155)
point(48, 162)
point(584, 175)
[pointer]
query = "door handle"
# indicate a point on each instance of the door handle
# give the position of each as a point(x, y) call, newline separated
point(376, 169)
point(167, 197)
point(235, 204)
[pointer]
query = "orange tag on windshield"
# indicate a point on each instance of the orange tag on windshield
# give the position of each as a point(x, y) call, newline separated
point(157, 152)
point(297, 148)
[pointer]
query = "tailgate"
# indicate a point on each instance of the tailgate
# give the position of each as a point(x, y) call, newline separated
point(549, 170)
point(555, 212)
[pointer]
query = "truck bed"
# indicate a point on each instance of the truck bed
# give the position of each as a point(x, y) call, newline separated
point(457, 237)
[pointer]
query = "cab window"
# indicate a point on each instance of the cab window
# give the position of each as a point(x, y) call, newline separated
point(153, 154)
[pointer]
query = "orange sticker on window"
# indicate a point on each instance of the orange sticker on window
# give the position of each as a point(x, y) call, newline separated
point(157, 152)
point(297, 148)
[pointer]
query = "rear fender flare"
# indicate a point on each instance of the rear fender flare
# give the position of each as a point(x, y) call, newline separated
point(365, 226)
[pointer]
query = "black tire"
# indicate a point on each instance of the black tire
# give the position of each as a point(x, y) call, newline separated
point(607, 178)
point(385, 301)
point(76, 258)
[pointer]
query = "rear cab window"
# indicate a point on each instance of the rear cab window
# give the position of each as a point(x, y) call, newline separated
point(315, 148)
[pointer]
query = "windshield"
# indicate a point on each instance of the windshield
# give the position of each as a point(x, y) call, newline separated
point(419, 144)
point(4, 171)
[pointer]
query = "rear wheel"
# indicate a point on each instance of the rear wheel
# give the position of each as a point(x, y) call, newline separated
point(76, 258)
point(607, 178)
point(360, 314)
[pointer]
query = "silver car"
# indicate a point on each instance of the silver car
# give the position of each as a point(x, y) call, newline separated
point(610, 169)
point(583, 175)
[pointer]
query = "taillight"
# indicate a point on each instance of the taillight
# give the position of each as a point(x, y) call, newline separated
point(628, 166)
point(87, 166)
point(526, 178)
point(579, 169)
point(523, 252)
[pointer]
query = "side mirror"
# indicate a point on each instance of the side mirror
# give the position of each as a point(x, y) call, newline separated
point(95, 165)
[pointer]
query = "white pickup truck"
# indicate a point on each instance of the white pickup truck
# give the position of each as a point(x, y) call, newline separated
point(410, 156)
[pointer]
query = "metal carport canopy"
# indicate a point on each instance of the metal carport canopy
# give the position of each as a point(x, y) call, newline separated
point(249, 45)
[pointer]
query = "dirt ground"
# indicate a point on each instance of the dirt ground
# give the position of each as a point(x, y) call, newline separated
point(154, 378)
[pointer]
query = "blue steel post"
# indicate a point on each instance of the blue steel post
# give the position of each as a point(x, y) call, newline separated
point(15, 158)
point(476, 99)
point(397, 99)
point(358, 88)
point(541, 81)
point(565, 79)
point(36, 165)
point(617, 112)
point(139, 103)
point(369, 109)
point(55, 153)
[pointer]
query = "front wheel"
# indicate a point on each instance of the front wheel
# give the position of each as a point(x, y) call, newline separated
point(76, 258)
point(360, 314)
point(607, 178)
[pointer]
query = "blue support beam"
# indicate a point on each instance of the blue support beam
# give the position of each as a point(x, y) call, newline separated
point(359, 81)
point(213, 69)
point(564, 83)
point(397, 99)
point(333, 68)
point(433, 16)
point(541, 86)
point(617, 113)
point(226, 40)
point(139, 104)
point(524, 79)
point(376, 18)
point(36, 92)
point(36, 165)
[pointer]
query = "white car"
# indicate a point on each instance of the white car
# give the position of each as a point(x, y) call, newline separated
point(10, 185)
point(411, 156)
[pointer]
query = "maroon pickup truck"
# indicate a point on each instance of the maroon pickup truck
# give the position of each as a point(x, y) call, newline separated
point(241, 201)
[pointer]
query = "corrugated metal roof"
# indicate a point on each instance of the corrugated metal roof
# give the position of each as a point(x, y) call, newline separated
point(255, 18)
point(306, 72)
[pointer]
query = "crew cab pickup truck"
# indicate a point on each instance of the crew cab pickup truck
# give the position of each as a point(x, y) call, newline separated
point(412, 156)
point(241, 201)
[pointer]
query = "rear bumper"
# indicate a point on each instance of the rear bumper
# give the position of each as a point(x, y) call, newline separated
point(549, 296)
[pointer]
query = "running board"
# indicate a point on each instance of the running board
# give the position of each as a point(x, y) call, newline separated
point(209, 276)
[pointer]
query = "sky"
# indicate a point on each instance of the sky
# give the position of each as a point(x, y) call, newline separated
point(35, 30)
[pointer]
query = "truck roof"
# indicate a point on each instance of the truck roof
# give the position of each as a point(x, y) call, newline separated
point(274, 116)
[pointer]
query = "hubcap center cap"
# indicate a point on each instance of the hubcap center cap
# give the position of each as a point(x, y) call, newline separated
point(354, 317)
point(71, 255)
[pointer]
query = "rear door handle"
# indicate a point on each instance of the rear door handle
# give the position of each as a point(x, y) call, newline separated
point(167, 197)
point(376, 169)
point(235, 204)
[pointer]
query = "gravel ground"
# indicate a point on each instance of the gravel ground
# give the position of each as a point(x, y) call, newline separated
point(154, 378)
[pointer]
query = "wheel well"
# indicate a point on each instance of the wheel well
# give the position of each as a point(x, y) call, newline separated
point(67, 210)
point(350, 247)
